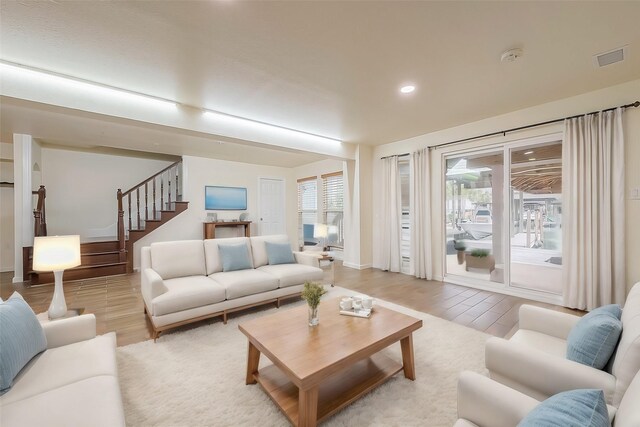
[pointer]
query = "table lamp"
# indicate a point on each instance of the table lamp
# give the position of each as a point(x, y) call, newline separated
point(56, 253)
point(320, 232)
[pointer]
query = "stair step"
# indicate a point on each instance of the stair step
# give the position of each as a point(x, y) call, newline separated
point(81, 272)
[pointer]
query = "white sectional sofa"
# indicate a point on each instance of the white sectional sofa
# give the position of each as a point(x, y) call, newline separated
point(73, 382)
point(183, 281)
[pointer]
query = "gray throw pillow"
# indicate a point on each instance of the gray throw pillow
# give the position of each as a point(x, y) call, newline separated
point(594, 338)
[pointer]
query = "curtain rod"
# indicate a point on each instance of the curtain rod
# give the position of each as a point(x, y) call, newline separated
point(504, 132)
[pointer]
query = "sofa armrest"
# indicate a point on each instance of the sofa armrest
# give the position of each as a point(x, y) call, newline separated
point(307, 258)
point(70, 330)
point(540, 374)
point(488, 403)
point(152, 286)
point(548, 322)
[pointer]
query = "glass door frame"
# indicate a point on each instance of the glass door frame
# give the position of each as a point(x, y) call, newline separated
point(505, 147)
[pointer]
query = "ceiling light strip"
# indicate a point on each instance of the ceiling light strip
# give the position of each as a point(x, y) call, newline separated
point(222, 115)
point(50, 74)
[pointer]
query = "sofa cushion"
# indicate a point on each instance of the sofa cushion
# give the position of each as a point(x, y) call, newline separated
point(594, 338)
point(60, 366)
point(279, 253)
point(178, 259)
point(94, 401)
point(259, 249)
point(235, 257)
point(583, 408)
point(626, 361)
point(245, 282)
point(212, 254)
point(293, 274)
point(21, 338)
point(543, 342)
point(187, 292)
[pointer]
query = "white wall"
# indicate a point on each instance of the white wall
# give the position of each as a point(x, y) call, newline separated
point(6, 208)
point(592, 101)
point(199, 172)
point(81, 187)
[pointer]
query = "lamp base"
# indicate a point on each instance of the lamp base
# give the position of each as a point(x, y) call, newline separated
point(58, 307)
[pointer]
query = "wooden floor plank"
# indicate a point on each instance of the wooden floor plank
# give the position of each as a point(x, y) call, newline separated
point(117, 303)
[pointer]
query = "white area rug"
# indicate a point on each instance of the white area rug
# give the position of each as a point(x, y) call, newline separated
point(197, 378)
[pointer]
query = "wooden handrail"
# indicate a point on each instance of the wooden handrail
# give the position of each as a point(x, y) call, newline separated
point(152, 177)
point(126, 197)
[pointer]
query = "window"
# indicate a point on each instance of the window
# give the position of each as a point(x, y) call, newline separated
point(404, 172)
point(307, 208)
point(333, 207)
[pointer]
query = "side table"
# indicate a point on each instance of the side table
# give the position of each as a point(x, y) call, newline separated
point(327, 257)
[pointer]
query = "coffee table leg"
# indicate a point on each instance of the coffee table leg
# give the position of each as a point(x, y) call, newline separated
point(253, 361)
point(406, 344)
point(308, 407)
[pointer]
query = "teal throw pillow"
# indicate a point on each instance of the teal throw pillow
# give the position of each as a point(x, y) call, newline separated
point(575, 408)
point(21, 338)
point(235, 257)
point(614, 309)
point(594, 338)
point(279, 253)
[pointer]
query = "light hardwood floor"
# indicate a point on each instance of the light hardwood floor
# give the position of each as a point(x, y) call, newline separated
point(117, 303)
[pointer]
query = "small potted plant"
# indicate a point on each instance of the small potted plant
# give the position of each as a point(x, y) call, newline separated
point(460, 247)
point(480, 258)
point(312, 293)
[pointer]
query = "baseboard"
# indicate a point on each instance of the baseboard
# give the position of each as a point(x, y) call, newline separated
point(17, 279)
point(438, 278)
point(356, 266)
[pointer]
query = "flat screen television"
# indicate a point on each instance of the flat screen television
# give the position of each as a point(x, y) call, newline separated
point(225, 198)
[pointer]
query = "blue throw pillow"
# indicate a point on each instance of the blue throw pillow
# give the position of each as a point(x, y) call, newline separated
point(21, 338)
point(235, 257)
point(594, 338)
point(575, 408)
point(279, 253)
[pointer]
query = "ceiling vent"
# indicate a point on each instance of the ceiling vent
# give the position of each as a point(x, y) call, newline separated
point(611, 57)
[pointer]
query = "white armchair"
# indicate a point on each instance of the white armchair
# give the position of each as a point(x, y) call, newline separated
point(534, 360)
point(483, 402)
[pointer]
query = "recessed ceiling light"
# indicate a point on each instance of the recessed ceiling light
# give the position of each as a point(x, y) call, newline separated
point(407, 89)
point(528, 152)
point(532, 159)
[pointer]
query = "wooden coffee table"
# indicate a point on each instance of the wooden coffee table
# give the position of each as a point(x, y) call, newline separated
point(318, 370)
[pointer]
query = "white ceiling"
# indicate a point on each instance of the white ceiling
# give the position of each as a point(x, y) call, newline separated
point(330, 68)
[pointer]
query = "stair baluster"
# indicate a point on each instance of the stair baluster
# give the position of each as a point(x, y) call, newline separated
point(146, 207)
point(138, 208)
point(169, 190)
point(155, 215)
point(129, 197)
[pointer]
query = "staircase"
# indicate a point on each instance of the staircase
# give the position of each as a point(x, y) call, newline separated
point(141, 209)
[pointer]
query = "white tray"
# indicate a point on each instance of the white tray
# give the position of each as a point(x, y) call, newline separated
point(363, 312)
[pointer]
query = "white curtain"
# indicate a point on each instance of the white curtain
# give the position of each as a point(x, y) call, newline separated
point(391, 215)
point(593, 211)
point(420, 215)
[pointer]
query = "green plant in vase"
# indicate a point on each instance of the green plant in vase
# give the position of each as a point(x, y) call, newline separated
point(312, 293)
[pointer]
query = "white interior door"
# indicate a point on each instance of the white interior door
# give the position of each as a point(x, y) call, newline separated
point(272, 202)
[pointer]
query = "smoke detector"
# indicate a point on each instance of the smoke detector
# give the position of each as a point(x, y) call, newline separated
point(511, 55)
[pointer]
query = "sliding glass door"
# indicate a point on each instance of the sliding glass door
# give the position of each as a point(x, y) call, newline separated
point(474, 216)
point(536, 211)
point(503, 217)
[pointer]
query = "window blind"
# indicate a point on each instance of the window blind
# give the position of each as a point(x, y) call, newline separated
point(307, 206)
point(333, 206)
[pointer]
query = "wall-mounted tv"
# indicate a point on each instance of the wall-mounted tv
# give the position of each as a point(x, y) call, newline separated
point(225, 198)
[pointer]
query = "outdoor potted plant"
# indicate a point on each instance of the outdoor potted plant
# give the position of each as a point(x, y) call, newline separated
point(312, 293)
point(460, 247)
point(480, 258)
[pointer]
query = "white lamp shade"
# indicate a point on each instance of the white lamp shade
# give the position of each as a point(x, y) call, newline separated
point(54, 253)
point(320, 231)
